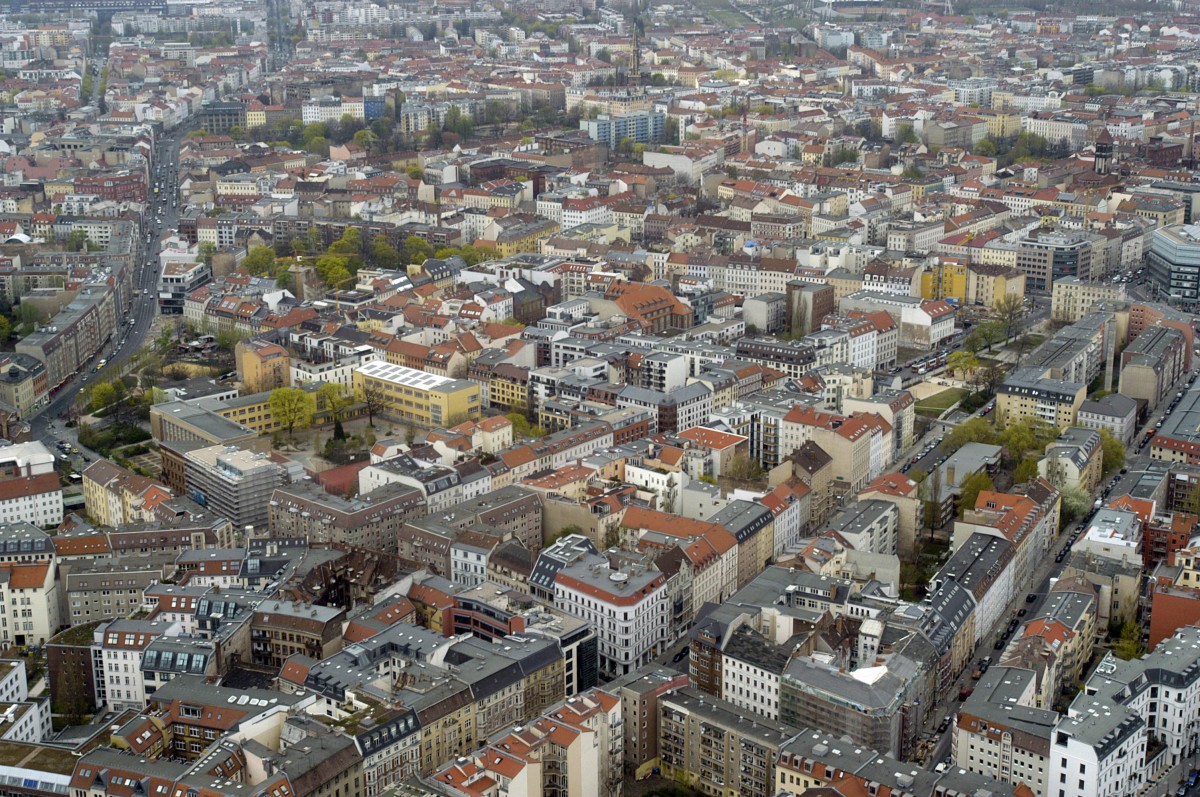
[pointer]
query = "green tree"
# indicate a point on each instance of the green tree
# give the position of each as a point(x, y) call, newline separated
point(365, 139)
point(415, 172)
point(970, 489)
point(292, 407)
point(976, 430)
point(205, 251)
point(260, 261)
point(237, 133)
point(1128, 645)
point(1112, 453)
point(78, 241)
point(5, 328)
point(383, 254)
point(1026, 471)
point(333, 398)
point(416, 250)
point(962, 362)
point(1075, 504)
point(102, 396)
point(520, 423)
point(986, 148)
point(743, 468)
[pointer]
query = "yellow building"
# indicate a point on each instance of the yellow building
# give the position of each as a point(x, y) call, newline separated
point(986, 283)
point(252, 411)
point(522, 238)
point(1026, 395)
point(417, 397)
point(508, 386)
point(1000, 124)
point(261, 366)
point(946, 279)
point(256, 117)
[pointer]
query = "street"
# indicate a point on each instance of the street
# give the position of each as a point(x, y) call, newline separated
point(161, 217)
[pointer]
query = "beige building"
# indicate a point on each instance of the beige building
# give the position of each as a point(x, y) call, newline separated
point(262, 366)
point(114, 496)
point(1026, 394)
point(1072, 298)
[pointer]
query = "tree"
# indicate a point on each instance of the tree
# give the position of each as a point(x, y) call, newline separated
point(260, 261)
point(962, 362)
point(78, 241)
point(227, 339)
point(383, 254)
point(969, 490)
point(986, 148)
point(371, 396)
point(1008, 310)
point(1128, 646)
point(237, 133)
point(332, 397)
point(520, 423)
point(976, 430)
point(292, 407)
point(205, 251)
point(743, 468)
point(416, 250)
point(102, 395)
point(1026, 472)
point(1075, 503)
point(5, 328)
point(1112, 453)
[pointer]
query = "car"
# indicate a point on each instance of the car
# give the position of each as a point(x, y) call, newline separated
point(681, 655)
point(1181, 791)
point(1031, 597)
point(1022, 612)
point(999, 645)
point(944, 724)
point(905, 468)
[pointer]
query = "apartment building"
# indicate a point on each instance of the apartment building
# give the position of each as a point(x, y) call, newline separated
point(626, 603)
point(262, 365)
point(281, 629)
point(372, 520)
point(1072, 298)
point(110, 588)
point(114, 496)
point(32, 499)
point(1073, 461)
point(233, 482)
point(712, 744)
point(1000, 733)
point(1027, 394)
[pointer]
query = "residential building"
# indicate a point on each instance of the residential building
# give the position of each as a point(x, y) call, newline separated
point(627, 604)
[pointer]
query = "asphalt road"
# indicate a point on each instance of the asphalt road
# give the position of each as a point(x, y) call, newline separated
point(48, 424)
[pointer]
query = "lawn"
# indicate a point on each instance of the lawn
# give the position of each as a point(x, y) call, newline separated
point(722, 13)
point(938, 403)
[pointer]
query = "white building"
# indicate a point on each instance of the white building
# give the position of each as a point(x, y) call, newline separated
point(627, 606)
point(751, 669)
point(121, 644)
point(30, 609)
point(666, 485)
point(26, 459)
point(32, 499)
